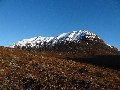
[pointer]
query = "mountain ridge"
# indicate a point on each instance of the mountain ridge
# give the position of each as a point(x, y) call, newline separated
point(69, 36)
point(80, 43)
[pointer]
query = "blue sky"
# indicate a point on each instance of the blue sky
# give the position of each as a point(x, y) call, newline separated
point(21, 19)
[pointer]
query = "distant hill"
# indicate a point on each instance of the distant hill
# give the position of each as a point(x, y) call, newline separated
point(75, 44)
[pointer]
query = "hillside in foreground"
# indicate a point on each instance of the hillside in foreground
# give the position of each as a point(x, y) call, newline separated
point(23, 70)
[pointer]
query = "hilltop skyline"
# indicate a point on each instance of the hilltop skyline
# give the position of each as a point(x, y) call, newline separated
point(26, 19)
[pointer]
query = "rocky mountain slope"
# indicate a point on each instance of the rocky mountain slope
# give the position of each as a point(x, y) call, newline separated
point(77, 43)
point(23, 70)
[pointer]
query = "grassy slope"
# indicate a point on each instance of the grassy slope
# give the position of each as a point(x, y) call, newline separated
point(21, 70)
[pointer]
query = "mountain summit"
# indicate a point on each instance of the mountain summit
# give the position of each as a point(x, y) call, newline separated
point(82, 43)
point(74, 36)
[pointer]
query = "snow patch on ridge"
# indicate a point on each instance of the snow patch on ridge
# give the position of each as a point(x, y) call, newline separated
point(109, 45)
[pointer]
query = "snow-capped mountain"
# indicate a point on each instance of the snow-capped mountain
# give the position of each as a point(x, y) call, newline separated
point(70, 36)
point(80, 43)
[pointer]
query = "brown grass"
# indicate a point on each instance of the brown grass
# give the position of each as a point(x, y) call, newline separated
point(43, 71)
